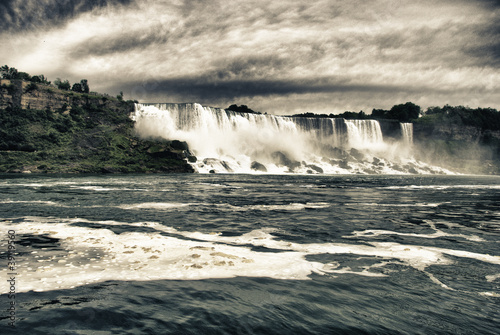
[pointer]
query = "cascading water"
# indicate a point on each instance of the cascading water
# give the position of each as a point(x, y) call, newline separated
point(407, 133)
point(366, 133)
point(227, 141)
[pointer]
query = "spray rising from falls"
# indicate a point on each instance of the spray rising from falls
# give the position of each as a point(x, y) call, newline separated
point(227, 141)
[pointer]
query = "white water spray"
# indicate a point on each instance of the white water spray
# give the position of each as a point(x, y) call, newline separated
point(227, 141)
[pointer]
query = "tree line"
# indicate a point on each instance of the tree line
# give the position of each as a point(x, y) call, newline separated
point(403, 113)
point(13, 74)
point(484, 118)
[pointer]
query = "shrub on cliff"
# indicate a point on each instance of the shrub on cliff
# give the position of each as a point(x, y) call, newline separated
point(81, 87)
point(31, 87)
point(40, 79)
point(62, 85)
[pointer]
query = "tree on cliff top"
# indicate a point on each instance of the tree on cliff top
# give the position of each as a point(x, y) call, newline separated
point(85, 85)
point(12, 73)
point(81, 87)
point(62, 85)
point(241, 109)
point(402, 112)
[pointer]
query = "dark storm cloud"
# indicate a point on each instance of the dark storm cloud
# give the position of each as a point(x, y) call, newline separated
point(486, 48)
point(287, 52)
point(490, 3)
point(206, 89)
point(100, 46)
point(31, 14)
point(255, 66)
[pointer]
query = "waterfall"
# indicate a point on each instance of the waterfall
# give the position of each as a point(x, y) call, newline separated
point(227, 141)
point(366, 133)
point(407, 133)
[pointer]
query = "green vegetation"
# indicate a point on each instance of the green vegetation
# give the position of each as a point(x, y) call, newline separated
point(241, 109)
point(62, 85)
point(467, 139)
point(94, 134)
point(10, 88)
point(346, 115)
point(403, 112)
point(482, 118)
point(87, 139)
point(81, 87)
point(13, 73)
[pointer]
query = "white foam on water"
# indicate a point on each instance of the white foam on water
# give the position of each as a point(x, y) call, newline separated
point(310, 186)
point(418, 204)
point(218, 185)
point(98, 188)
point(492, 278)
point(490, 294)
point(284, 207)
point(436, 234)
point(7, 201)
point(96, 255)
point(443, 187)
point(49, 183)
point(92, 255)
point(154, 205)
point(84, 185)
point(226, 207)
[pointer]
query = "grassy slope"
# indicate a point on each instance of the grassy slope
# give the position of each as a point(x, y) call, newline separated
point(87, 139)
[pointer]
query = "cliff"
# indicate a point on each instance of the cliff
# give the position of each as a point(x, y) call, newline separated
point(460, 147)
point(47, 130)
point(20, 94)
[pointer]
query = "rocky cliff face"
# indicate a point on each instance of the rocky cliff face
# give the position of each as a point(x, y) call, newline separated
point(25, 95)
point(391, 129)
point(47, 130)
point(451, 132)
point(462, 148)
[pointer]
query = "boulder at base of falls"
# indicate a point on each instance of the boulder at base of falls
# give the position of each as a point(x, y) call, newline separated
point(258, 166)
point(178, 145)
point(281, 159)
point(344, 165)
point(357, 154)
point(376, 161)
point(315, 168)
point(217, 164)
point(334, 152)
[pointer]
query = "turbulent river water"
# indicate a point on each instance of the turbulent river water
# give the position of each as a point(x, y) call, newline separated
point(250, 254)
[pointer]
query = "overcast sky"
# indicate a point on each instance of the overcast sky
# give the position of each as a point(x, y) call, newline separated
point(280, 57)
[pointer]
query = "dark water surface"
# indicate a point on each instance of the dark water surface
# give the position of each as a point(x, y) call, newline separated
point(251, 254)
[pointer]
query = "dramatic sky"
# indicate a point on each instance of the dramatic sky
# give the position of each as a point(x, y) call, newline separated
point(281, 56)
